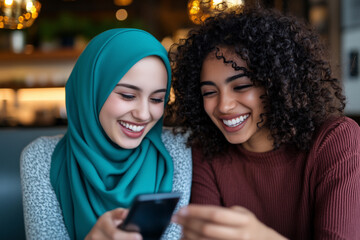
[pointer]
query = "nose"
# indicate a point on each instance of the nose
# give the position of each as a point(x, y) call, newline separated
point(226, 102)
point(142, 111)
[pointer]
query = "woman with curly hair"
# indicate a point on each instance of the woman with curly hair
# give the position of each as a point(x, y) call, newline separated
point(272, 149)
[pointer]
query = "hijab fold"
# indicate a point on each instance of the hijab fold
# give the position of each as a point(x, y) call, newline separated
point(89, 173)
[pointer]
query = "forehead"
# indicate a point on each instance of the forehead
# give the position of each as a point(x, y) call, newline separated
point(225, 55)
point(222, 62)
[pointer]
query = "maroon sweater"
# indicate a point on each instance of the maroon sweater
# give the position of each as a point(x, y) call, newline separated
point(301, 195)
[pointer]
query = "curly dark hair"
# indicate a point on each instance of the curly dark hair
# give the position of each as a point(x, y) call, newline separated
point(284, 56)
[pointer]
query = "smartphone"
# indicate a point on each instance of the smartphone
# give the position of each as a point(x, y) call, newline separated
point(150, 214)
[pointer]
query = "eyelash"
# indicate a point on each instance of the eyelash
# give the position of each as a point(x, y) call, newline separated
point(157, 100)
point(242, 87)
point(131, 97)
point(126, 96)
point(238, 88)
point(207, 94)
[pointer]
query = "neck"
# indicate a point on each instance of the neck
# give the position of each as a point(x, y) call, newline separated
point(261, 143)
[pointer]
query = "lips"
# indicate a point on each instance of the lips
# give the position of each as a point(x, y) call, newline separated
point(132, 127)
point(132, 130)
point(233, 124)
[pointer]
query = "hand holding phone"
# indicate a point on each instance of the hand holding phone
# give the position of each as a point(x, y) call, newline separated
point(150, 214)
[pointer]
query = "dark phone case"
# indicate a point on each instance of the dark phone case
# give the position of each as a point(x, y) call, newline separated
point(150, 214)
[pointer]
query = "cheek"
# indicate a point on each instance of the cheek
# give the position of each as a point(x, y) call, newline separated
point(157, 111)
point(254, 99)
point(115, 107)
point(208, 106)
point(254, 103)
point(109, 104)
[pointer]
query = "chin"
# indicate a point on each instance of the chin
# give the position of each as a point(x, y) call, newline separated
point(234, 140)
point(129, 145)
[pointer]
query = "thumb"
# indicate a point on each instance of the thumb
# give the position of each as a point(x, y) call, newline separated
point(240, 209)
point(118, 215)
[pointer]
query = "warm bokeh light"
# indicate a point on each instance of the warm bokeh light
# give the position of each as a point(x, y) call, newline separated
point(233, 3)
point(8, 3)
point(29, 6)
point(216, 2)
point(18, 14)
point(167, 42)
point(199, 10)
point(41, 94)
point(30, 106)
point(194, 8)
point(7, 94)
point(171, 96)
point(121, 14)
point(122, 2)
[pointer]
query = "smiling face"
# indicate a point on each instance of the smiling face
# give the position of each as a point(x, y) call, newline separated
point(233, 103)
point(136, 103)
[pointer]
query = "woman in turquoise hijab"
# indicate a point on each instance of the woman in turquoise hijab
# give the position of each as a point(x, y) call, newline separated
point(113, 148)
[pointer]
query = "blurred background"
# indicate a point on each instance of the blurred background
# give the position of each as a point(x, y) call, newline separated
point(40, 41)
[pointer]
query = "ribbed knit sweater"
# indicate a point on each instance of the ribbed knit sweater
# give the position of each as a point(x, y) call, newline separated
point(301, 195)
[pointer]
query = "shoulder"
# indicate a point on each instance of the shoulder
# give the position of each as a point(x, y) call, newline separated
point(341, 123)
point(38, 152)
point(35, 159)
point(175, 143)
point(174, 138)
point(181, 154)
point(41, 145)
point(342, 131)
point(336, 148)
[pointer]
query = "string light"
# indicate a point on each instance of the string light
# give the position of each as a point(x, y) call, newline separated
point(199, 10)
point(18, 14)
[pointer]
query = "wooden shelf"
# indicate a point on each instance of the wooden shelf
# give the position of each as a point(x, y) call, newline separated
point(55, 55)
point(16, 87)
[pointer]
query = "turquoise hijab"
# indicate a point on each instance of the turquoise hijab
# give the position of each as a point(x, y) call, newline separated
point(89, 173)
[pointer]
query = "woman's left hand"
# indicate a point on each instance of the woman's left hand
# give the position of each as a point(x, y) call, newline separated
point(214, 222)
point(106, 227)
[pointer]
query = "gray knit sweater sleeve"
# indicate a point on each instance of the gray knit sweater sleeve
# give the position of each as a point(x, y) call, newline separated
point(42, 213)
point(182, 175)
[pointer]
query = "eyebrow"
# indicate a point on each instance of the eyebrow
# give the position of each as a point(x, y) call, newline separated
point(229, 79)
point(232, 78)
point(137, 88)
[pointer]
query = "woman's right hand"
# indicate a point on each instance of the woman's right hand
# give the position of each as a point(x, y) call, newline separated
point(106, 227)
point(215, 222)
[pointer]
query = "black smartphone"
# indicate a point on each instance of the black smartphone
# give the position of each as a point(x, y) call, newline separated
point(150, 214)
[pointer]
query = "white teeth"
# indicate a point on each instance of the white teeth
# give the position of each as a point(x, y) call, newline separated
point(235, 121)
point(134, 128)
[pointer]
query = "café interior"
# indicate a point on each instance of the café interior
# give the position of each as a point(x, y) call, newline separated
point(40, 41)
